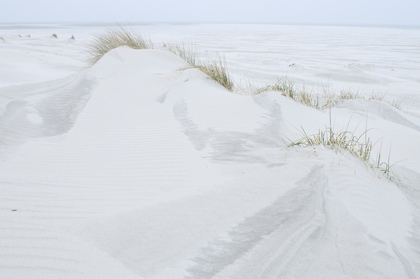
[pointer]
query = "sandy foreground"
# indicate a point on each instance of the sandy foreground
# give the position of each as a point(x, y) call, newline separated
point(140, 167)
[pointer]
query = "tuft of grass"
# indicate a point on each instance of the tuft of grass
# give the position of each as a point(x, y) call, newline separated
point(287, 89)
point(101, 44)
point(397, 103)
point(284, 85)
point(319, 101)
point(348, 95)
point(360, 146)
point(308, 99)
point(345, 140)
point(217, 71)
point(376, 97)
point(186, 53)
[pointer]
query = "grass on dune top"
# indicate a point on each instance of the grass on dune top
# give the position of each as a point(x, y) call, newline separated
point(111, 39)
point(101, 44)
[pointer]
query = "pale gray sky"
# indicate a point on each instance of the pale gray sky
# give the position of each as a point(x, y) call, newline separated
point(355, 12)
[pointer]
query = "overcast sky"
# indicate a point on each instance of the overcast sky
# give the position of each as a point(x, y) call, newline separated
point(353, 12)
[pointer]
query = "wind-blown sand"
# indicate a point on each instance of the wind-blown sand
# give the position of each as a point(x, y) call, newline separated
point(140, 168)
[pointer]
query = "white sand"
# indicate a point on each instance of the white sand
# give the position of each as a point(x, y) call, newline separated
point(133, 168)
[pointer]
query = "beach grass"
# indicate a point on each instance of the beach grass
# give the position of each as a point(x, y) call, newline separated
point(345, 140)
point(315, 100)
point(288, 89)
point(215, 68)
point(358, 145)
point(113, 38)
point(185, 52)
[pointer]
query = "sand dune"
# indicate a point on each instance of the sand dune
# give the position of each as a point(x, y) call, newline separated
point(140, 168)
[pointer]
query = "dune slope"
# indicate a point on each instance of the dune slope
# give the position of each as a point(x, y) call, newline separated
point(139, 167)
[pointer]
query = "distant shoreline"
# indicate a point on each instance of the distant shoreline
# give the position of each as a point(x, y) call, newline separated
point(35, 25)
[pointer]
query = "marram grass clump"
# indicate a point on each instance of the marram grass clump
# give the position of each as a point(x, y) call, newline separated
point(184, 52)
point(102, 44)
point(359, 146)
point(318, 101)
point(215, 69)
point(284, 85)
point(287, 89)
point(345, 140)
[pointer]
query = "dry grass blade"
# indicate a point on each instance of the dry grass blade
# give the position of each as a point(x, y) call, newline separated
point(101, 44)
point(348, 142)
point(217, 70)
point(348, 95)
point(286, 87)
point(319, 101)
point(283, 85)
point(186, 53)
